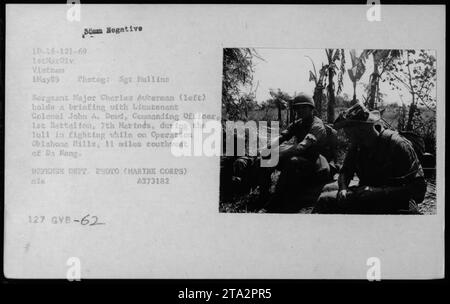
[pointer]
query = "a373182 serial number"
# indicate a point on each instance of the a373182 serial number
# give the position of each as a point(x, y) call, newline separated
point(153, 180)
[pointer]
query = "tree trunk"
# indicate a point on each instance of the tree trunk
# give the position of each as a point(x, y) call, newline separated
point(401, 119)
point(412, 107)
point(291, 113)
point(412, 111)
point(374, 78)
point(289, 116)
point(354, 93)
point(280, 118)
point(318, 92)
point(377, 94)
point(331, 99)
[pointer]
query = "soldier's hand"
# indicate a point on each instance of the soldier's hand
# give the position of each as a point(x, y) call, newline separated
point(265, 153)
point(342, 195)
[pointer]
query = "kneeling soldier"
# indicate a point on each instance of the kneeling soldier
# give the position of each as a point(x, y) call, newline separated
point(300, 163)
point(390, 176)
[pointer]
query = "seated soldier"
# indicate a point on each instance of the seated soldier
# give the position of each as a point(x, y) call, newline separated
point(299, 163)
point(390, 176)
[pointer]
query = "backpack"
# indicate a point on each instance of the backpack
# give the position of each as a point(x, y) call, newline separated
point(416, 141)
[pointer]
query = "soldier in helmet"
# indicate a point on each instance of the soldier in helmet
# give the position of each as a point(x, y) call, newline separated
point(391, 178)
point(300, 162)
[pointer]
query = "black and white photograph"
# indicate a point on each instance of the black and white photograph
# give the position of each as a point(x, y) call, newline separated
point(356, 135)
point(224, 143)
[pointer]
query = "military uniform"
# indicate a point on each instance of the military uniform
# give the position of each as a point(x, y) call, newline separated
point(390, 178)
point(313, 129)
point(301, 163)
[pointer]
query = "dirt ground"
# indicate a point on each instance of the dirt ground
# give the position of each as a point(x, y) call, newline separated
point(428, 205)
point(239, 205)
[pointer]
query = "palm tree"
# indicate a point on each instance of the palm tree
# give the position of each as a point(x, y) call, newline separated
point(334, 55)
point(381, 61)
point(319, 81)
point(357, 70)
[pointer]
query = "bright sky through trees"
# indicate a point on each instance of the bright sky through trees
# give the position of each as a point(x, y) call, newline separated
point(288, 69)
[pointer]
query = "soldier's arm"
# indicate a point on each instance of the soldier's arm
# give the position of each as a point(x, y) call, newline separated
point(284, 136)
point(280, 139)
point(348, 169)
point(287, 134)
point(316, 136)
